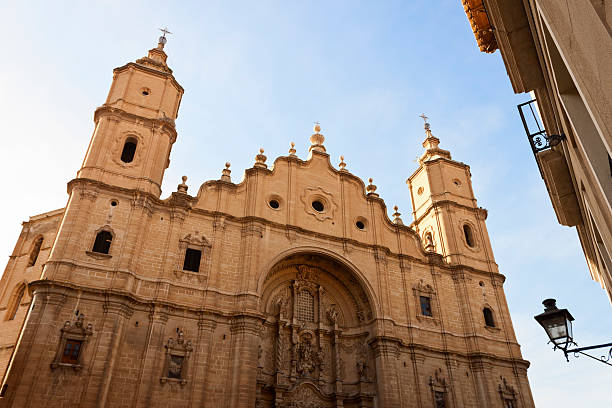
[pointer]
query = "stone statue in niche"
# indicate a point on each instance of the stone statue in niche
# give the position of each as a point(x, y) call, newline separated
point(429, 244)
point(360, 316)
point(332, 314)
point(362, 361)
point(307, 357)
point(282, 305)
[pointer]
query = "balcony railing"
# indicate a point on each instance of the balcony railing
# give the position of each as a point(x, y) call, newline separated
point(536, 133)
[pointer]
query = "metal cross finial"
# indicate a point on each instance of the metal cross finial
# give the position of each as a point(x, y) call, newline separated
point(422, 116)
point(165, 31)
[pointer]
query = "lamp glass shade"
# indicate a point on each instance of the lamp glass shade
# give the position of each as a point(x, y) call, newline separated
point(557, 323)
point(558, 329)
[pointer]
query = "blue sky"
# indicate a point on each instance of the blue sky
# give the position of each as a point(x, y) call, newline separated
point(258, 74)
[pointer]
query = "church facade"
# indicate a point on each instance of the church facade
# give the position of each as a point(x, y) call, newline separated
point(292, 288)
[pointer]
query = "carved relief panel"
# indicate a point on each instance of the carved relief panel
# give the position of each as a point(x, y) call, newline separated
point(314, 350)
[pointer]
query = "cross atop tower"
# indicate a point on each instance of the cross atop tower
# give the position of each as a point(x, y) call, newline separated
point(165, 31)
point(422, 116)
point(162, 40)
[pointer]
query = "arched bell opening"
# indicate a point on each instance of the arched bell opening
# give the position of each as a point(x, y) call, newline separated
point(314, 342)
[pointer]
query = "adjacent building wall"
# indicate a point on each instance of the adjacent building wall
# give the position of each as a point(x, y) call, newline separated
point(562, 51)
point(19, 272)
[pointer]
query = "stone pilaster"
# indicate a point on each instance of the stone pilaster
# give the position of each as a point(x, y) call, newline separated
point(201, 358)
point(152, 366)
point(482, 371)
point(386, 352)
point(245, 345)
point(117, 313)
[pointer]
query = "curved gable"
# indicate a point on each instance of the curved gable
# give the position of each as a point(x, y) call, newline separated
point(312, 195)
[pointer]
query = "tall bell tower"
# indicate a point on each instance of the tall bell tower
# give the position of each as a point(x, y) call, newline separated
point(134, 129)
point(445, 211)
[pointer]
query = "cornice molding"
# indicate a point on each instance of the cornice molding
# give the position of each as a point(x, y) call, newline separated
point(165, 124)
point(153, 71)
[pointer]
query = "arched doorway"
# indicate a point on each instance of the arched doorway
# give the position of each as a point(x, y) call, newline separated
point(314, 350)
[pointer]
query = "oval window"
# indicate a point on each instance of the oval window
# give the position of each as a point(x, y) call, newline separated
point(318, 205)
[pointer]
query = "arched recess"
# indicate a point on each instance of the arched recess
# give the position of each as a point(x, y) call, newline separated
point(323, 253)
point(318, 320)
point(15, 300)
point(35, 250)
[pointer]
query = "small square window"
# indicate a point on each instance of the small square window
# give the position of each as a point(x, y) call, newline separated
point(175, 366)
point(72, 349)
point(425, 305)
point(192, 260)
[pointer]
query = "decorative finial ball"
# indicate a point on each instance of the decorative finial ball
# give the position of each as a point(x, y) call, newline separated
point(395, 208)
point(261, 150)
point(184, 178)
point(292, 145)
point(341, 158)
point(227, 165)
point(370, 180)
point(317, 128)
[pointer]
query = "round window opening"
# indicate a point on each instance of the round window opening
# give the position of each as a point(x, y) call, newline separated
point(360, 225)
point(318, 205)
point(114, 203)
point(274, 204)
point(145, 91)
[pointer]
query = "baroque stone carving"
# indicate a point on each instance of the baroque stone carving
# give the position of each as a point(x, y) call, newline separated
point(506, 391)
point(306, 273)
point(190, 277)
point(307, 361)
point(118, 143)
point(438, 388)
point(437, 381)
point(425, 290)
point(306, 397)
point(307, 357)
point(199, 242)
point(177, 355)
point(312, 194)
point(78, 335)
point(332, 314)
point(428, 242)
point(362, 361)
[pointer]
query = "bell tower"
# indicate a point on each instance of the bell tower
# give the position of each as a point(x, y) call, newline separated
point(134, 129)
point(445, 211)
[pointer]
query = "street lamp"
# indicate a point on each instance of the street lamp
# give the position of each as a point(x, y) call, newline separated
point(557, 324)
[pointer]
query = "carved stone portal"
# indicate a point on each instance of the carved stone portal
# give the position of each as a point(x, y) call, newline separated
point(314, 350)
